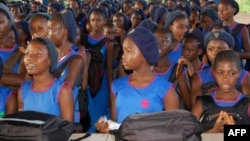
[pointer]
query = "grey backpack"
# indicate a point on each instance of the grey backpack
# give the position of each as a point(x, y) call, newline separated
point(34, 126)
point(173, 125)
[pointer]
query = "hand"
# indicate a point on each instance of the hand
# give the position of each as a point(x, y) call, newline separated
point(102, 125)
point(219, 124)
point(228, 119)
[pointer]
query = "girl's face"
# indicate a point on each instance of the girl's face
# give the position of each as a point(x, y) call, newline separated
point(164, 42)
point(97, 21)
point(15, 11)
point(206, 22)
point(135, 19)
point(126, 6)
point(203, 3)
point(36, 58)
point(55, 32)
point(179, 27)
point(226, 75)
point(191, 50)
point(51, 11)
point(39, 27)
point(132, 57)
point(214, 47)
point(225, 11)
point(109, 32)
point(4, 25)
point(118, 21)
point(170, 3)
point(194, 16)
point(34, 7)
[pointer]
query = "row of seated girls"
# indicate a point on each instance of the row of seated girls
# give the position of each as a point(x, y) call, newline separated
point(155, 57)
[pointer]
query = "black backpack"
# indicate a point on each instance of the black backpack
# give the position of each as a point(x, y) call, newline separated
point(211, 112)
point(81, 97)
point(96, 65)
point(34, 126)
point(172, 125)
point(235, 32)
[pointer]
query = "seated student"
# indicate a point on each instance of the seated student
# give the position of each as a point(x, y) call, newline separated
point(226, 102)
point(63, 34)
point(177, 22)
point(227, 9)
point(189, 63)
point(203, 81)
point(44, 93)
point(137, 93)
point(208, 17)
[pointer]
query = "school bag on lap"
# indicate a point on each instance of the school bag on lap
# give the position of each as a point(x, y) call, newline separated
point(34, 126)
point(172, 125)
point(211, 112)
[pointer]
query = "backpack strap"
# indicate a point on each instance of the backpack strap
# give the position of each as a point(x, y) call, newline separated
point(11, 61)
point(172, 78)
point(235, 32)
point(237, 29)
point(57, 73)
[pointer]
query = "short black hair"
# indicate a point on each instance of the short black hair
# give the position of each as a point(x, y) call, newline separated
point(227, 55)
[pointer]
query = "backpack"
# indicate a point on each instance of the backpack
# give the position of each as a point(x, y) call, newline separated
point(172, 125)
point(34, 126)
point(211, 112)
point(237, 47)
point(96, 65)
point(81, 96)
point(11, 61)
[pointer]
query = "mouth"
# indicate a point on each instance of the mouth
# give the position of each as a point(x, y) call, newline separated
point(30, 66)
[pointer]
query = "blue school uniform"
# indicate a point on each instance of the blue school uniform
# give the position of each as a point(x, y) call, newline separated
point(222, 103)
point(75, 89)
point(131, 100)
point(98, 106)
point(45, 101)
point(5, 92)
point(165, 75)
point(174, 55)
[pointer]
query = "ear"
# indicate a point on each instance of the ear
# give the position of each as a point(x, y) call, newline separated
point(170, 27)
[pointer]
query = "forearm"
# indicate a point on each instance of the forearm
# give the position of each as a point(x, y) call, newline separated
point(12, 79)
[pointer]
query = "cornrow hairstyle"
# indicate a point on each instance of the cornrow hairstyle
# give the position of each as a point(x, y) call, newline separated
point(193, 37)
point(227, 55)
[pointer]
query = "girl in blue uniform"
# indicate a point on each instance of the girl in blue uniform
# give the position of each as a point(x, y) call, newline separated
point(226, 70)
point(177, 22)
point(99, 105)
point(137, 93)
point(190, 62)
point(203, 81)
point(44, 93)
point(63, 34)
point(227, 9)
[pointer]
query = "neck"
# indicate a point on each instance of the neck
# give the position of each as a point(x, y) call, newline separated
point(163, 64)
point(230, 22)
point(64, 49)
point(228, 96)
point(142, 73)
point(40, 82)
point(96, 34)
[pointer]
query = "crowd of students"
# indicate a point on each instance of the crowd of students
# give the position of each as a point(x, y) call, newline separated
point(156, 56)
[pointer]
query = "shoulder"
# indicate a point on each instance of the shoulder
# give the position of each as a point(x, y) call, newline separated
point(120, 81)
